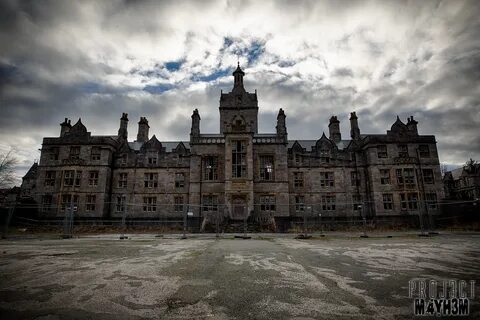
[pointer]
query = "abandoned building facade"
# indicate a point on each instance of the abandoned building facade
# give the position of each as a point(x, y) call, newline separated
point(239, 172)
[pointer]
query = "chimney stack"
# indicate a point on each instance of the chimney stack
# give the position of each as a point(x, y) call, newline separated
point(195, 130)
point(142, 135)
point(65, 127)
point(122, 131)
point(354, 129)
point(412, 125)
point(281, 126)
point(334, 129)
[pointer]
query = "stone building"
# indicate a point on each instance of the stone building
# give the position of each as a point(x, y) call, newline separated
point(240, 172)
point(463, 183)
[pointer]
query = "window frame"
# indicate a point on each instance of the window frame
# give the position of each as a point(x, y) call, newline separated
point(327, 179)
point(298, 179)
point(90, 202)
point(266, 162)
point(387, 199)
point(150, 180)
point(267, 203)
point(239, 159)
point(382, 151)
point(93, 177)
point(50, 177)
point(149, 204)
point(210, 168)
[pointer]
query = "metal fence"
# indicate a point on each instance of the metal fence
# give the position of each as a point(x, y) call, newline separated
point(303, 219)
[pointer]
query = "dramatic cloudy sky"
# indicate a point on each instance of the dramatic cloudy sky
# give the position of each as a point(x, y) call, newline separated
point(162, 59)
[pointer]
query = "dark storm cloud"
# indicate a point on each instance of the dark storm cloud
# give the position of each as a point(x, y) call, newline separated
point(314, 59)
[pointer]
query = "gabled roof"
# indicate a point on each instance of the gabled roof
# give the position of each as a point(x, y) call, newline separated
point(32, 172)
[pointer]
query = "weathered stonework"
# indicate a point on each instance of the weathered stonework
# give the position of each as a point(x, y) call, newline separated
point(239, 171)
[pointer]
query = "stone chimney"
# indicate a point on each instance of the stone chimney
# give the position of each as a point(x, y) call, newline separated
point(122, 131)
point(142, 135)
point(65, 127)
point(412, 125)
point(334, 129)
point(195, 130)
point(281, 126)
point(354, 129)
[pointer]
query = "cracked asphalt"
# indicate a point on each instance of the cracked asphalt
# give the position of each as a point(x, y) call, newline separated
point(274, 277)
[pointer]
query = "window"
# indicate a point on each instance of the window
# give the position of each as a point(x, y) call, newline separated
point(90, 202)
point(388, 201)
point(93, 178)
point(47, 202)
point(357, 202)
point(53, 153)
point(403, 150)
point(267, 203)
point(68, 178)
point(325, 155)
point(151, 180)
point(326, 179)
point(210, 168)
point(179, 180)
point(178, 204)
point(50, 178)
point(384, 176)
point(428, 176)
point(409, 175)
point(405, 176)
point(149, 204)
point(409, 201)
point(210, 203)
point(299, 203)
point(78, 178)
point(298, 179)
point(328, 203)
point(74, 153)
point(239, 159)
point(120, 206)
point(266, 168)
point(152, 159)
point(122, 179)
point(298, 158)
point(424, 151)
point(123, 159)
point(67, 200)
point(382, 151)
point(95, 154)
point(354, 178)
point(431, 199)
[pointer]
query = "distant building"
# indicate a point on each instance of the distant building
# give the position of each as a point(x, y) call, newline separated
point(463, 183)
point(240, 172)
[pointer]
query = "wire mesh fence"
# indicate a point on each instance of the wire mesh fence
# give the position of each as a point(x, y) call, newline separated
point(301, 218)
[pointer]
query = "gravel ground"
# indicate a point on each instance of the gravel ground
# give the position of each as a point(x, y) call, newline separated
point(267, 277)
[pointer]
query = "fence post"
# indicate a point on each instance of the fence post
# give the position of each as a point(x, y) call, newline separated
point(11, 209)
point(123, 226)
point(217, 224)
point(185, 212)
point(66, 222)
point(364, 218)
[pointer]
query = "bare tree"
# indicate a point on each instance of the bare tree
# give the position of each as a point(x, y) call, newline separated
point(443, 168)
point(7, 169)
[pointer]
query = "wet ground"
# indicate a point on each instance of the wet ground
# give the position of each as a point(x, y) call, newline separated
point(268, 277)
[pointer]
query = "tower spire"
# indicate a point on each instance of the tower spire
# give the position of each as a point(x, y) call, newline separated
point(238, 77)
